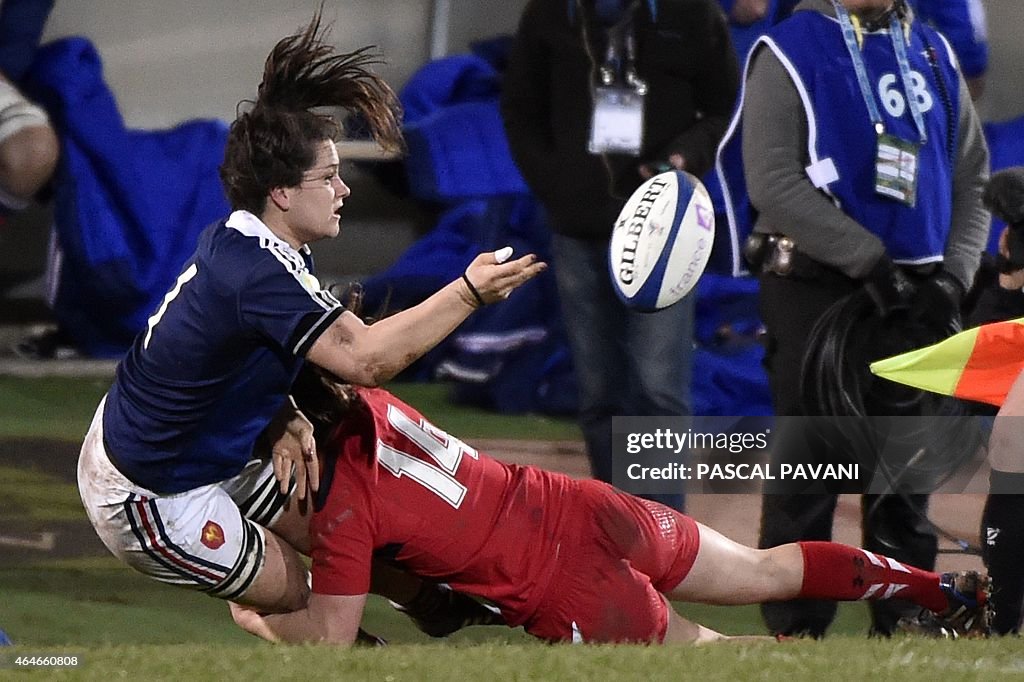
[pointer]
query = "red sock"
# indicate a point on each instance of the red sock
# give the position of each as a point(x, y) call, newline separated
point(844, 573)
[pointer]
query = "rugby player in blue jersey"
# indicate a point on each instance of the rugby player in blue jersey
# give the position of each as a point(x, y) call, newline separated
point(174, 473)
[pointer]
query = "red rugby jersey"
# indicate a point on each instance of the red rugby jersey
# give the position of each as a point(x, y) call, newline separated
point(402, 487)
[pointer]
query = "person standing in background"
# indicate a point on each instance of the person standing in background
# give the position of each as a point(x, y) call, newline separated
point(999, 294)
point(961, 21)
point(832, 95)
point(665, 72)
point(963, 24)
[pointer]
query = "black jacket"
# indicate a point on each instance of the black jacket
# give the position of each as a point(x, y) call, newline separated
point(687, 60)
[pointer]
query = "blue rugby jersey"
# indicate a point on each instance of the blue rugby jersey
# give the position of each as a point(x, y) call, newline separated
point(217, 359)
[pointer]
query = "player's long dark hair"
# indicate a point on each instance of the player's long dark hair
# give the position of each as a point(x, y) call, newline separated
point(326, 401)
point(276, 141)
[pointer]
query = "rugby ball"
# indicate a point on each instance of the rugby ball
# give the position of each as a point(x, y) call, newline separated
point(661, 241)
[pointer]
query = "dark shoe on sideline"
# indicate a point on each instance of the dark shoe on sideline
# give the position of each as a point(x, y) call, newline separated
point(51, 344)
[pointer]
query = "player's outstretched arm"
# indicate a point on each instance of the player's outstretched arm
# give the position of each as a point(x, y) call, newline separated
point(330, 619)
point(684, 631)
point(369, 355)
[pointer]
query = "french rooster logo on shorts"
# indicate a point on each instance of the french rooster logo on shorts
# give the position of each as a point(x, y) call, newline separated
point(213, 535)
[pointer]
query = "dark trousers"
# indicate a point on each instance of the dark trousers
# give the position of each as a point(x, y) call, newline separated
point(627, 362)
point(789, 309)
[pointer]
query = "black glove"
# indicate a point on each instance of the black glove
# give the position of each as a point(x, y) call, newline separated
point(937, 303)
point(889, 287)
point(438, 610)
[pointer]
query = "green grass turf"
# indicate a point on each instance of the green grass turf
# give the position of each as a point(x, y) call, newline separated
point(61, 408)
point(58, 408)
point(834, 659)
point(35, 496)
point(126, 626)
point(94, 601)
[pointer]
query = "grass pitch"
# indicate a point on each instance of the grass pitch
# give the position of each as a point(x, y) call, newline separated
point(838, 658)
point(66, 596)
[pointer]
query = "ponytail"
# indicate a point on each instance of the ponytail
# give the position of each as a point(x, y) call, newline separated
point(275, 142)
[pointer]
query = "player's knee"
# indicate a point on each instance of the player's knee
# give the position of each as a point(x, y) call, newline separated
point(28, 144)
point(28, 159)
point(1005, 452)
point(292, 525)
point(296, 588)
point(300, 595)
point(282, 581)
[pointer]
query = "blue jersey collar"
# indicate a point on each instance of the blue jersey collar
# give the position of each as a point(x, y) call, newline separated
point(251, 226)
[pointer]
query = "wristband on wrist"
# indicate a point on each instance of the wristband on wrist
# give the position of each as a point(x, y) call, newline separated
point(472, 290)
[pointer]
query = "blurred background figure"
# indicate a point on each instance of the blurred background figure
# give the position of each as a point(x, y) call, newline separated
point(28, 144)
point(664, 71)
point(962, 22)
point(28, 148)
point(114, 248)
point(999, 297)
point(823, 224)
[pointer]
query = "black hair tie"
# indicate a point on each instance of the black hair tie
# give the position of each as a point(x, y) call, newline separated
point(472, 290)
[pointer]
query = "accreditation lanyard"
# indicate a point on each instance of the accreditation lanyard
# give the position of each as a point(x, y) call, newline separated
point(617, 121)
point(896, 161)
point(622, 42)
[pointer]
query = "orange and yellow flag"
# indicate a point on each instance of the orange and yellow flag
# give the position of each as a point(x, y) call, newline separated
point(976, 364)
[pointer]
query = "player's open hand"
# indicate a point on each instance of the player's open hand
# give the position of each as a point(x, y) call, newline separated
point(251, 621)
point(491, 277)
point(292, 445)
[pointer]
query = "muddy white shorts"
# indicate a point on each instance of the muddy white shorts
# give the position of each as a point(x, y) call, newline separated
point(209, 538)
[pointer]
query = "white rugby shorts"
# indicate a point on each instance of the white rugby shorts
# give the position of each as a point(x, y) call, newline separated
point(209, 538)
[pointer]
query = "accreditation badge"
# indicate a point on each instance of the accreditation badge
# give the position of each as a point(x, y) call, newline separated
point(617, 125)
point(896, 169)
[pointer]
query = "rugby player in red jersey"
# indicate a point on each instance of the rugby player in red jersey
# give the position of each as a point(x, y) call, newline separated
point(569, 560)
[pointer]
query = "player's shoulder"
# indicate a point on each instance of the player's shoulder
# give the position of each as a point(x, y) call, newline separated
point(241, 247)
